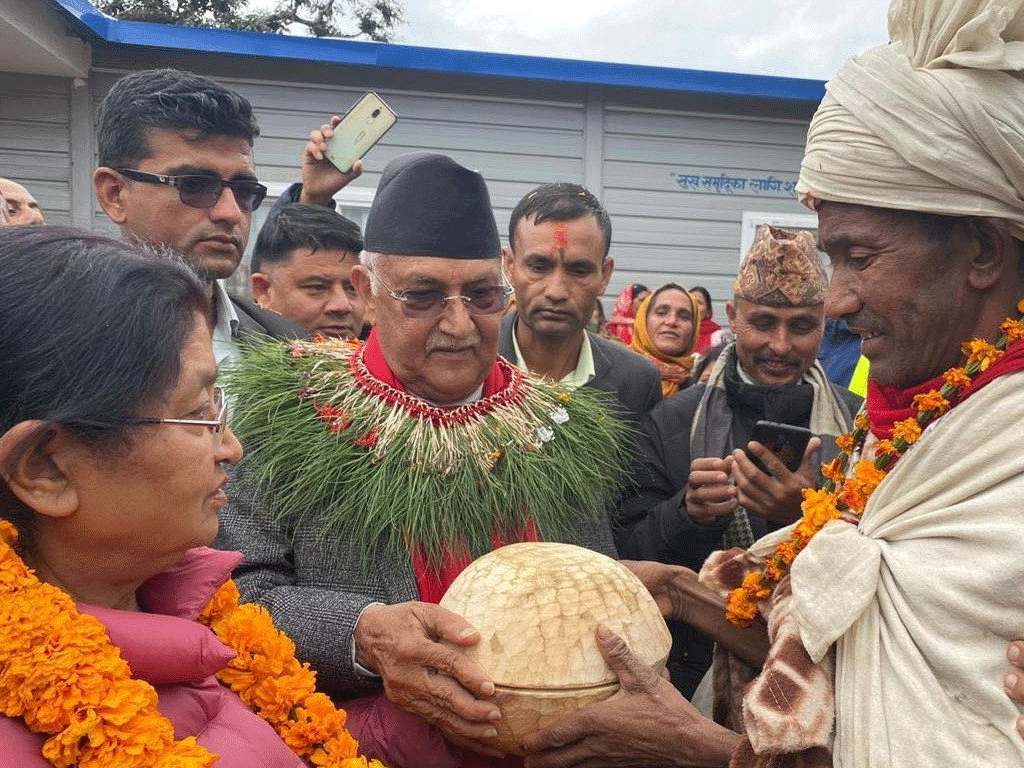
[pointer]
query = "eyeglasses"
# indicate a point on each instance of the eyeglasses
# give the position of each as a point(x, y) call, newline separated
point(197, 191)
point(218, 425)
point(430, 302)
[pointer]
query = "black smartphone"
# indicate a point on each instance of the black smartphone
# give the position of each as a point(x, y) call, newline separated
point(784, 440)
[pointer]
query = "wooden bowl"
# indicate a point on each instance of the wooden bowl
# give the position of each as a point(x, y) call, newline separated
point(536, 606)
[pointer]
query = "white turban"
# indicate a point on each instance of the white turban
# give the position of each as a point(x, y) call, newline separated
point(932, 122)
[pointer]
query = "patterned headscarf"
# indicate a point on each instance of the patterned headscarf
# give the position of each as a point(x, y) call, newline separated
point(675, 369)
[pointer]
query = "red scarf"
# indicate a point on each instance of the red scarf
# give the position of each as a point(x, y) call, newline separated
point(887, 405)
point(434, 582)
point(707, 327)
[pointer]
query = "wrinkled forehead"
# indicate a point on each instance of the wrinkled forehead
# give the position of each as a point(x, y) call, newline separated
point(436, 271)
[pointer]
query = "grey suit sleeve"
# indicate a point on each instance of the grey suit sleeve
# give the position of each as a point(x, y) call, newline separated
point(289, 573)
point(652, 523)
point(653, 394)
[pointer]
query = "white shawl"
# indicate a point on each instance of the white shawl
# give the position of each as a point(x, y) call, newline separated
point(924, 595)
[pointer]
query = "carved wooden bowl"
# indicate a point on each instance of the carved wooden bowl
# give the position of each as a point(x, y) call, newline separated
point(536, 606)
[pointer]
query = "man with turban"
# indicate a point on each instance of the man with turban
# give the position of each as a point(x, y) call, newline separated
point(890, 605)
point(374, 473)
point(694, 491)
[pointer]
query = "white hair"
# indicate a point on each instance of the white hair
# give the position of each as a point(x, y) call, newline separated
point(370, 261)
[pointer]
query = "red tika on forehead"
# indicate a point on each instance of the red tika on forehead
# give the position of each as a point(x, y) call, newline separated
point(561, 239)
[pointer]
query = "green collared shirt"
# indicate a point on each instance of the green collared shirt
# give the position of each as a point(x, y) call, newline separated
point(574, 379)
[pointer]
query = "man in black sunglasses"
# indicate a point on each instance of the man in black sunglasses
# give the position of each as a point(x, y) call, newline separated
point(176, 171)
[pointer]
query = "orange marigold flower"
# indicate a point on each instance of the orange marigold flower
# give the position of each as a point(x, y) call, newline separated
point(224, 600)
point(8, 533)
point(819, 507)
point(907, 430)
point(931, 401)
point(787, 552)
point(957, 378)
point(1020, 307)
point(845, 443)
point(868, 476)
point(860, 421)
point(981, 352)
point(740, 608)
point(755, 585)
point(1013, 330)
point(851, 497)
point(886, 448)
point(59, 671)
point(833, 470)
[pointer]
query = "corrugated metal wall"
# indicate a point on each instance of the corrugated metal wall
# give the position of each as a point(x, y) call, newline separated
point(35, 139)
point(675, 174)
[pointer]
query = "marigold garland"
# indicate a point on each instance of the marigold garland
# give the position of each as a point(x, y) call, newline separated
point(845, 493)
point(61, 674)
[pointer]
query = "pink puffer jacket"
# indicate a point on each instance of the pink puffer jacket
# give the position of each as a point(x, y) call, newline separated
point(167, 648)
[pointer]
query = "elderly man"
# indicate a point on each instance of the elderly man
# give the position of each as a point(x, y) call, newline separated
point(374, 473)
point(905, 587)
point(21, 207)
point(302, 269)
point(694, 491)
point(557, 261)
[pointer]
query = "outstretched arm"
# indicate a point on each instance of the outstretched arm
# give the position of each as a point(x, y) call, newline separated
point(681, 597)
point(647, 722)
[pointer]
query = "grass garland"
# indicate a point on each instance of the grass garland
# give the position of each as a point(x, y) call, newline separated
point(373, 471)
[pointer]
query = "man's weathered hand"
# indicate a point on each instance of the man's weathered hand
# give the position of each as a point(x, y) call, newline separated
point(1014, 680)
point(777, 496)
point(648, 722)
point(709, 492)
point(667, 585)
point(402, 644)
point(320, 179)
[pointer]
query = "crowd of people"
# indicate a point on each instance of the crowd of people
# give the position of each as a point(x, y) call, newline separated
point(226, 523)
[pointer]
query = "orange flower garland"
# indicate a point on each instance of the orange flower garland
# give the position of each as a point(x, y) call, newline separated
point(844, 493)
point(59, 671)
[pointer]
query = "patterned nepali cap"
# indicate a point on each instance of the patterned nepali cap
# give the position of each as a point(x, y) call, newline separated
point(783, 269)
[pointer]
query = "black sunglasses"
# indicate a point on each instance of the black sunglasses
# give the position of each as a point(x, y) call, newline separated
point(203, 192)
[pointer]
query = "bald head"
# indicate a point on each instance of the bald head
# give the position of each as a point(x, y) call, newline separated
point(19, 205)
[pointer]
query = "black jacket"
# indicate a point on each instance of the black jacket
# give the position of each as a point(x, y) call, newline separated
point(631, 378)
point(255, 322)
point(652, 523)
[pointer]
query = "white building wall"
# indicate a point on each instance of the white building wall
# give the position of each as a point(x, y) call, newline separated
point(35, 139)
point(676, 179)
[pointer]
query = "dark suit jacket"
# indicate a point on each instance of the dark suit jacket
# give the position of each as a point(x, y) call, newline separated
point(631, 378)
point(254, 322)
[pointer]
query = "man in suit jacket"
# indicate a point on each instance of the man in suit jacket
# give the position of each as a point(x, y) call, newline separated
point(351, 539)
point(557, 260)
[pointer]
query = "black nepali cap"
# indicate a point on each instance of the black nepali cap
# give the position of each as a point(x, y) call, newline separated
point(429, 205)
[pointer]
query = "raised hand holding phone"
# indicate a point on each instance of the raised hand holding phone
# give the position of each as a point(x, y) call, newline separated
point(361, 127)
point(321, 180)
point(776, 494)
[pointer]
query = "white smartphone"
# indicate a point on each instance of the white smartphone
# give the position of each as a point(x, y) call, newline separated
point(360, 128)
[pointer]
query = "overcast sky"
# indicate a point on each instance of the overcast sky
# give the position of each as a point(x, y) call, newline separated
point(798, 38)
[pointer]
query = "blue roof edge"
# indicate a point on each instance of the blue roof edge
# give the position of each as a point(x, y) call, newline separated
point(393, 56)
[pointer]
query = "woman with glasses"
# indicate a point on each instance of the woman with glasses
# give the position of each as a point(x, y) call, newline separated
point(114, 453)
